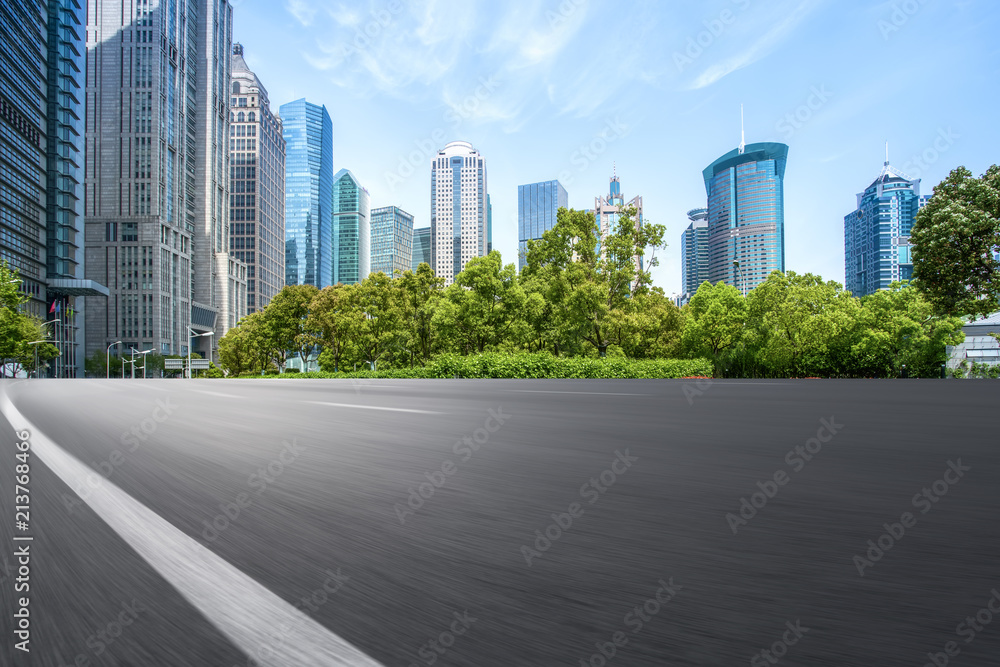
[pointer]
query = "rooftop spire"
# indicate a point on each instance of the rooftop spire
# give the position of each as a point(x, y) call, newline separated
point(743, 141)
point(887, 154)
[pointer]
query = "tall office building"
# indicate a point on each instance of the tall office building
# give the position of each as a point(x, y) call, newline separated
point(308, 133)
point(746, 214)
point(607, 211)
point(257, 186)
point(877, 234)
point(157, 175)
point(458, 209)
point(41, 167)
point(694, 253)
point(537, 204)
point(392, 241)
point(489, 224)
point(351, 229)
point(421, 247)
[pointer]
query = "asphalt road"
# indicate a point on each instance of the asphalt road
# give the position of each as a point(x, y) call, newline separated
point(501, 523)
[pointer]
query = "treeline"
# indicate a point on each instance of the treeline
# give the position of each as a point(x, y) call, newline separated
point(578, 298)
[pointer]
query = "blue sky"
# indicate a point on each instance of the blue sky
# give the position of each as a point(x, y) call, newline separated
point(548, 89)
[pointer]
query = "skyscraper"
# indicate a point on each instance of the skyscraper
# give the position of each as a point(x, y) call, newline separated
point(694, 253)
point(157, 176)
point(421, 247)
point(308, 133)
point(458, 209)
point(489, 224)
point(607, 211)
point(392, 241)
point(537, 204)
point(877, 234)
point(746, 214)
point(351, 229)
point(41, 175)
point(257, 186)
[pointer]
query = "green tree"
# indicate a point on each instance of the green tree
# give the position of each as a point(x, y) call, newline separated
point(374, 316)
point(247, 347)
point(898, 327)
point(715, 322)
point(332, 319)
point(420, 293)
point(956, 238)
point(285, 319)
point(592, 277)
point(651, 328)
point(481, 308)
point(800, 324)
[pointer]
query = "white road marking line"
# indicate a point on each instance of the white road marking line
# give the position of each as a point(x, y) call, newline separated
point(375, 407)
point(256, 620)
point(587, 393)
point(214, 393)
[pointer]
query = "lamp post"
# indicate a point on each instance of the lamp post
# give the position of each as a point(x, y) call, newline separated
point(194, 335)
point(743, 280)
point(36, 343)
point(117, 342)
point(143, 353)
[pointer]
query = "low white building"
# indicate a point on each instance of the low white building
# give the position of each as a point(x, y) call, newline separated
point(979, 346)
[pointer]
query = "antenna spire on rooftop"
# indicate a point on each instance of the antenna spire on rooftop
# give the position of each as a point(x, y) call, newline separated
point(887, 153)
point(743, 141)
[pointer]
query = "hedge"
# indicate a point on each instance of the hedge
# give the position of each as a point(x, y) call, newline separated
point(496, 365)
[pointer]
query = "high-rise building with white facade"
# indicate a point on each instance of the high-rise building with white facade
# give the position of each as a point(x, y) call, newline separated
point(157, 175)
point(877, 249)
point(459, 210)
point(257, 186)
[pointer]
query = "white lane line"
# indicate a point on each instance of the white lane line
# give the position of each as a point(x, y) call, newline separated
point(214, 393)
point(375, 407)
point(256, 620)
point(587, 393)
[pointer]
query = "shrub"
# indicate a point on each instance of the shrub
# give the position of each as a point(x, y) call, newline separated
point(540, 365)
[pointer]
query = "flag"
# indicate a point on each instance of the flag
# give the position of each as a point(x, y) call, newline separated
point(58, 305)
point(52, 308)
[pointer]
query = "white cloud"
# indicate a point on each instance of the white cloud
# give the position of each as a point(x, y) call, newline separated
point(757, 50)
point(303, 11)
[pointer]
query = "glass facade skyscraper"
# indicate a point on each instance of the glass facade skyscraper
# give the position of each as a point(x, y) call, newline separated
point(459, 211)
point(392, 241)
point(537, 204)
point(351, 229)
point(877, 234)
point(746, 214)
point(421, 247)
point(42, 111)
point(257, 186)
point(694, 253)
point(308, 133)
point(157, 175)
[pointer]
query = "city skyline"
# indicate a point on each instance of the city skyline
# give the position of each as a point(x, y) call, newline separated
point(407, 91)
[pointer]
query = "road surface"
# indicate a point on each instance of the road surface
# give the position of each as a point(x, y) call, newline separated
point(501, 523)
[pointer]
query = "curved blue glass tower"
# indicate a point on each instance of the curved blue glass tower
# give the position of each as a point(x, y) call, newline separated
point(746, 214)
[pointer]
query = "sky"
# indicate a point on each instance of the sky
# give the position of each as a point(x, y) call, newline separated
point(651, 89)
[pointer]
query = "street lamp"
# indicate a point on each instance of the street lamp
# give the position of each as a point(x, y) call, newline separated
point(194, 335)
point(143, 353)
point(117, 342)
point(743, 280)
point(35, 343)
